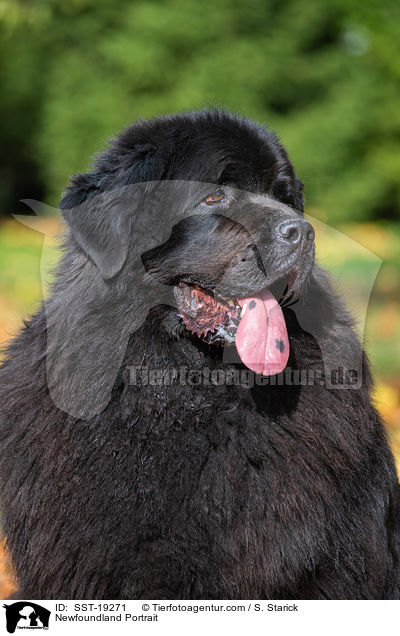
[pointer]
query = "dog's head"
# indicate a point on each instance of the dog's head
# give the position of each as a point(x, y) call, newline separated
point(231, 261)
point(235, 243)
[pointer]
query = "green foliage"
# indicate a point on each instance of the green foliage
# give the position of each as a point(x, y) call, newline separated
point(325, 76)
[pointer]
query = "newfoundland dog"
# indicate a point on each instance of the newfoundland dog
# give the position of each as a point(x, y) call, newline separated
point(189, 415)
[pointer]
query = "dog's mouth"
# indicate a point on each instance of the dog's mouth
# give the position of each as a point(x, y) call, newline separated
point(209, 316)
point(255, 324)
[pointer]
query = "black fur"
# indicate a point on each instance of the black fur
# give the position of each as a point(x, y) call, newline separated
point(189, 491)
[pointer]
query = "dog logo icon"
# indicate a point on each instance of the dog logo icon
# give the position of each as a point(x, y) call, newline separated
point(26, 615)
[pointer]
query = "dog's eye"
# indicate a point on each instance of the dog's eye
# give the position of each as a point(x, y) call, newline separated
point(216, 197)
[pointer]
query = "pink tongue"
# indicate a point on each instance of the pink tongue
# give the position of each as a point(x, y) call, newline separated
point(261, 337)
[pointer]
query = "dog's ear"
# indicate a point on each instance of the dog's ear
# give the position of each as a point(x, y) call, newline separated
point(99, 223)
point(99, 206)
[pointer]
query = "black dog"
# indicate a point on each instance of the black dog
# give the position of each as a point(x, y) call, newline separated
point(169, 424)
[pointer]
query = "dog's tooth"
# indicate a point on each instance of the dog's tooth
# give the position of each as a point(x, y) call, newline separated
point(242, 313)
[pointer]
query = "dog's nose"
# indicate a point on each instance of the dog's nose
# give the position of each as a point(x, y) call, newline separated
point(295, 231)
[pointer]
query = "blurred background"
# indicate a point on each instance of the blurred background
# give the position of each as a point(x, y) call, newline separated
point(324, 76)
